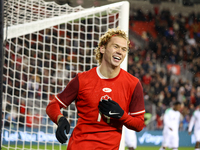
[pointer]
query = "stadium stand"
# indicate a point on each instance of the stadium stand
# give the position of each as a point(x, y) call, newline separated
point(169, 64)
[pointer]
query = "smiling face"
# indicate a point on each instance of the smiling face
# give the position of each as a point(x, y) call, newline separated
point(115, 52)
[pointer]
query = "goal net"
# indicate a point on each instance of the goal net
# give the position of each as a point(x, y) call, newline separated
point(46, 45)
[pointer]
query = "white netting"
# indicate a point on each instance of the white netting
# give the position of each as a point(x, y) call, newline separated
point(40, 62)
point(23, 11)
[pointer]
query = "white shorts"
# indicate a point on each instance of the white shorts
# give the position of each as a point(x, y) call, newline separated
point(170, 139)
point(197, 135)
point(130, 138)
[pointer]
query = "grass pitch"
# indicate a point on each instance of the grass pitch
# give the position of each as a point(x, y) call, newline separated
point(64, 147)
point(157, 148)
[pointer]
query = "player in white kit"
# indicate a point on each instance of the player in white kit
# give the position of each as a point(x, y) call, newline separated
point(195, 121)
point(172, 119)
point(130, 139)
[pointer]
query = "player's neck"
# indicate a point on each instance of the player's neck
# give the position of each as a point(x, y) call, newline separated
point(175, 109)
point(109, 72)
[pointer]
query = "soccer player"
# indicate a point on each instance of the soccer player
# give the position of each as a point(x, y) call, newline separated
point(195, 121)
point(130, 138)
point(106, 97)
point(172, 118)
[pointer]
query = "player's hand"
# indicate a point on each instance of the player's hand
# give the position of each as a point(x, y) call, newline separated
point(111, 109)
point(63, 125)
point(189, 133)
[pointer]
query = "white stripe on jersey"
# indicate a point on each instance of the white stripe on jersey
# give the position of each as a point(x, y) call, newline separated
point(60, 101)
point(139, 112)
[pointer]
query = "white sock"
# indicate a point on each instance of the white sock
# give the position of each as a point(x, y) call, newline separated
point(197, 149)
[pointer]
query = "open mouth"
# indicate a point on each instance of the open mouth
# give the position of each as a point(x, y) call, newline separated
point(117, 58)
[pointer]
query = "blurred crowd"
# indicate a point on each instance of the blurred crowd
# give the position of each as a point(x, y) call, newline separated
point(44, 73)
point(177, 43)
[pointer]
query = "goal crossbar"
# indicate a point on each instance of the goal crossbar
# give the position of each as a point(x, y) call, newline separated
point(30, 27)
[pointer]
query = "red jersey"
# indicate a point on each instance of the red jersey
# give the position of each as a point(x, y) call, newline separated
point(93, 130)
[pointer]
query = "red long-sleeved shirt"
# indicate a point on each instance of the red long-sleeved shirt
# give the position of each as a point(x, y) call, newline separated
point(94, 130)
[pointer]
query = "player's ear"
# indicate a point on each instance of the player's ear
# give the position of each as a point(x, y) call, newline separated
point(102, 49)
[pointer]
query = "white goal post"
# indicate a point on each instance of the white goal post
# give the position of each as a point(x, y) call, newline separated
point(46, 45)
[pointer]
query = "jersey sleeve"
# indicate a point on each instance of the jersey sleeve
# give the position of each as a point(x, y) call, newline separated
point(53, 110)
point(70, 92)
point(135, 119)
point(137, 101)
point(63, 99)
point(133, 122)
point(166, 119)
point(191, 123)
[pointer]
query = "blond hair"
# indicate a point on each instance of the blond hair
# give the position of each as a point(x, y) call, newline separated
point(104, 39)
